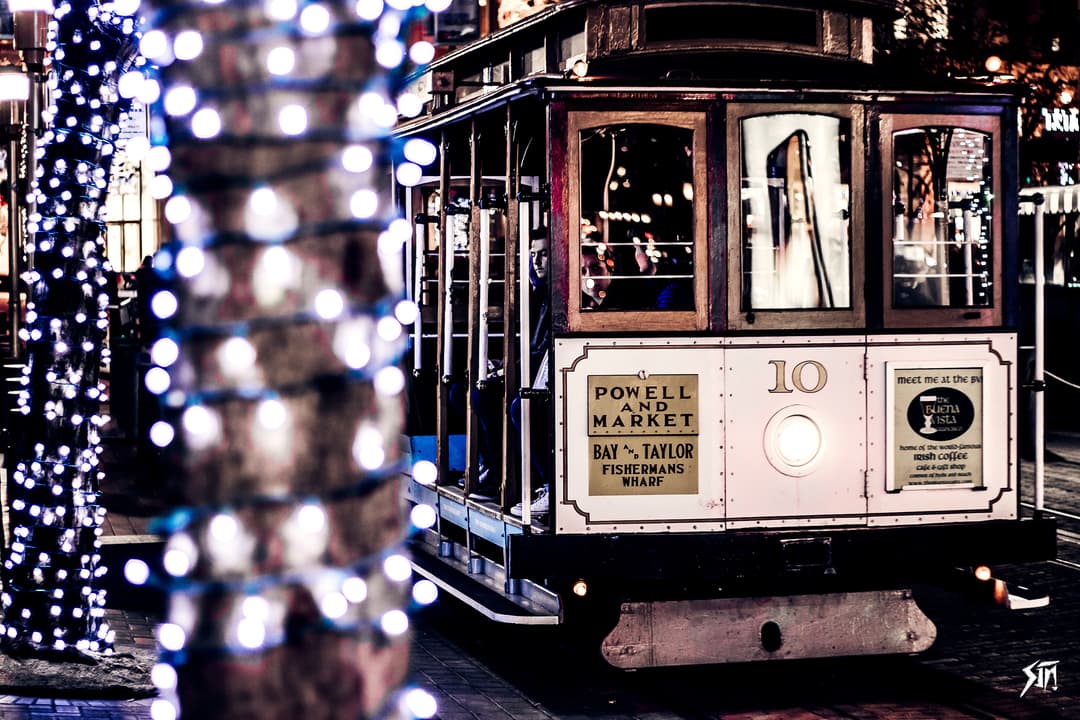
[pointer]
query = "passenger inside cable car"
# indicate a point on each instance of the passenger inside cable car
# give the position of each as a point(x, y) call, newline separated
point(539, 351)
point(667, 275)
point(540, 304)
point(599, 291)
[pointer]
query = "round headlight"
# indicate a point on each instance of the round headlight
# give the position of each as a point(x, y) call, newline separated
point(798, 440)
point(794, 441)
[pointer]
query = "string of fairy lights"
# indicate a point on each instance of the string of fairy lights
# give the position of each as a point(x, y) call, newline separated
point(282, 313)
point(52, 598)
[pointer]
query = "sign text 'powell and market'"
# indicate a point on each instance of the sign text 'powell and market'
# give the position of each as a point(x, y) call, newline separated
point(643, 434)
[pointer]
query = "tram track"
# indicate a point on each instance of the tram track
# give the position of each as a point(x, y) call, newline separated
point(1068, 534)
point(1061, 514)
point(1067, 563)
point(1069, 537)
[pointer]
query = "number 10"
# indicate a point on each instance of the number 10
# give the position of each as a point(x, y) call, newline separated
point(797, 377)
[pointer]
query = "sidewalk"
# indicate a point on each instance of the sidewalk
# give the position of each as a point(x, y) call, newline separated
point(1061, 476)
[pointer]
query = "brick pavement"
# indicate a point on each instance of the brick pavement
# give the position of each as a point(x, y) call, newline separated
point(133, 629)
point(14, 707)
point(465, 688)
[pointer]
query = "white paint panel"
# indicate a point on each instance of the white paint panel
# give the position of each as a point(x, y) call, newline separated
point(648, 510)
point(768, 382)
point(741, 479)
point(937, 356)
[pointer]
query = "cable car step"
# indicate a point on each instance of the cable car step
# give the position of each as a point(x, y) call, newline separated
point(481, 589)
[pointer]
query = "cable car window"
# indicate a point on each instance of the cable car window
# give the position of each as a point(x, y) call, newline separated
point(796, 209)
point(941, 228)
point(942, 220)
point(637, 220)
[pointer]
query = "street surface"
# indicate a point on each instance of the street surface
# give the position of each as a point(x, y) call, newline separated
point(976, 669)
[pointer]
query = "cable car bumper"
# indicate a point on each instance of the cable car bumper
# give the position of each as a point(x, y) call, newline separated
point(692, 632)
point(790, 561)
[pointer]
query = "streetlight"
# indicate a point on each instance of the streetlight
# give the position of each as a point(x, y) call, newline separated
point(14, 91)
point(14, 86)
point(31, 34)
point(31, 21)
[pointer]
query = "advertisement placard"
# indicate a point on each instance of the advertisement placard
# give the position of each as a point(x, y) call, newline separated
point(937, 429)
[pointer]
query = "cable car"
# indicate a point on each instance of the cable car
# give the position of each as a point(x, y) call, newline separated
point(716, 351)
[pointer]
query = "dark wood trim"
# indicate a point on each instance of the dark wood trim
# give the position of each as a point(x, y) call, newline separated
point(637, 321)
point(512, 335)
point(442, 422)
point(719, 256)
point(472, 425)
point(560, 236)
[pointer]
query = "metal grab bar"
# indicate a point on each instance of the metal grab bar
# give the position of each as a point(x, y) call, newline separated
point(524, 357)
point(448, 302)
point(1039, 379)
point(485, 274)
point(1040, 353)
point(419, 234)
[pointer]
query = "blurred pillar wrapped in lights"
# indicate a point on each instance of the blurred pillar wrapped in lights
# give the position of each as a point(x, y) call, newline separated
point(281, 327)
point(52, 598)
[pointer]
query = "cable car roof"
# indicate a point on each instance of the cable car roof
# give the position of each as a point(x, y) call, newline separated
point(832, 28)
point(664, 45)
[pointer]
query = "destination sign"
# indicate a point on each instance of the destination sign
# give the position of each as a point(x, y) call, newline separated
point(643, 434)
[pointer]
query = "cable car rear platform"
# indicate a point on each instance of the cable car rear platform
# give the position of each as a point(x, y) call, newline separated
point(478, 579)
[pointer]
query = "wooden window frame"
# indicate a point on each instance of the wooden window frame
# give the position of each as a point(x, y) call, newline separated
point(986, 316)
point(638, 320)
point(794, 318)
